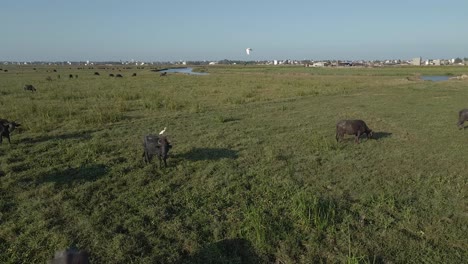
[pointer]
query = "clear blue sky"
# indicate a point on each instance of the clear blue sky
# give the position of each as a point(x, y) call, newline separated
point(153, 30)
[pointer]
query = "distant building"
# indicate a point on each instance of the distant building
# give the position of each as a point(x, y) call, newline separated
point(319, 64)
point(416, 61)
point(436, 62)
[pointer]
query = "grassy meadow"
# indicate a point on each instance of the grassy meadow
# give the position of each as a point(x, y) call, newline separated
point(254, 176)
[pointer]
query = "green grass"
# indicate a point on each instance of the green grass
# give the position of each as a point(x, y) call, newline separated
point(255, 174)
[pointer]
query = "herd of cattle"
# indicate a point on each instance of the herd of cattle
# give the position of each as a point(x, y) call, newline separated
point(158, 145)
point(29, 87)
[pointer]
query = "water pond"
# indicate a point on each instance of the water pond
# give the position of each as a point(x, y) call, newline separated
point(435, 78)
point(187, 70)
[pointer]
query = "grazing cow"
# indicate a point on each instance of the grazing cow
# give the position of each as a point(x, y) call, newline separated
point(134, 74)
point(462, 117)
point(111, 75)
point(96, 73)
point(55, 70)
point(156, 145)
point(6, 128)
point(119, 75)
point(163, 74)
point(352, 127)
point(5, 70)
point(76, 76)
point(70, 76)
point(29, 87)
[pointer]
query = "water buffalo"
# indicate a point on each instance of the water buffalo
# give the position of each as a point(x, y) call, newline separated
point(29, 87)
point(119, 75)
point(156, 145)
point(352, 127)
point(6, 127)
point(462, 117)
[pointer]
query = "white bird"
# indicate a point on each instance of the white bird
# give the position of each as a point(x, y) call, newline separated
point(248, 50)
point(162, 132)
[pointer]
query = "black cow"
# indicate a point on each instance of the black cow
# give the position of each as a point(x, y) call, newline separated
point(352, 127)
point(96, 73)
point(119, 75)
point(70, 76)
point(134, 74)
point(156, 145)
point(163, 74)
point(29, 87)
point(6, 128)
point(111, 75)
point(462, 117)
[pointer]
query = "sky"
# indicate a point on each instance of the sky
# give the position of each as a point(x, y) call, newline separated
point(188, 30)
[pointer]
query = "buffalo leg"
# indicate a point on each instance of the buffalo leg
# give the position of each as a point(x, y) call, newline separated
point(339, 137)
point(147, 157)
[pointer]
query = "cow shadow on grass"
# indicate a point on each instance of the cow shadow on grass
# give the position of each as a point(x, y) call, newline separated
point(230, 119)
point(363, 138)
point(235, 250)
point(83, 135)
point(197, 154)
point(381, 135)
point(80, 174)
